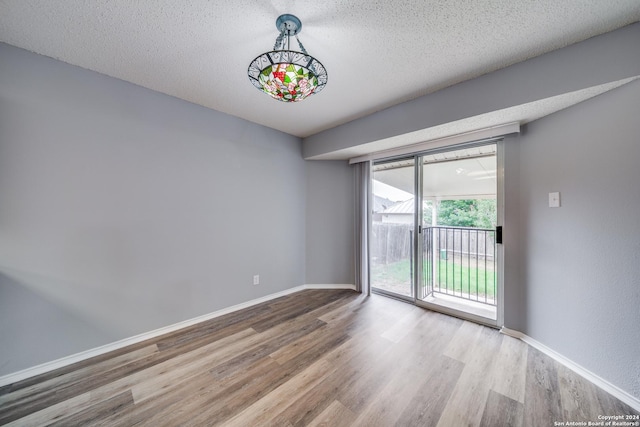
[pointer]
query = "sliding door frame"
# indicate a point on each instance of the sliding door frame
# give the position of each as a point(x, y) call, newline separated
point(417, 273)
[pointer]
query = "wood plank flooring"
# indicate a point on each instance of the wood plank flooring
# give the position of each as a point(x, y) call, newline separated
point(315, 358)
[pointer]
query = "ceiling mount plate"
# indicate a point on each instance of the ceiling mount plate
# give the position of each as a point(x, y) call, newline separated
point(290, 23)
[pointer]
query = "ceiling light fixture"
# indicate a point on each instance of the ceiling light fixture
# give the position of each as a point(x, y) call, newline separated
point(285, 74)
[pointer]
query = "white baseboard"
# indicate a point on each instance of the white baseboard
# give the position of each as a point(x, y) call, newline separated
point(87, 354)
point(613, 390)
point(329, 286)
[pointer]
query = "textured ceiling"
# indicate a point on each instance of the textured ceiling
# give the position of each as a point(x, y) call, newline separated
point(377, 53)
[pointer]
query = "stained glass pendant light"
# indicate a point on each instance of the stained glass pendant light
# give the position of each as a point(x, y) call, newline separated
point(285, 74)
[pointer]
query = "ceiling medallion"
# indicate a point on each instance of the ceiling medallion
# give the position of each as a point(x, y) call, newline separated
point(284, 74)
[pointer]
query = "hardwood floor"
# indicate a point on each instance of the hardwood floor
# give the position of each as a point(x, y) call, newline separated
point(317, 358)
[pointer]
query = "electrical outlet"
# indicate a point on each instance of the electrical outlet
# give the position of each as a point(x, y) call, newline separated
point(256, 279)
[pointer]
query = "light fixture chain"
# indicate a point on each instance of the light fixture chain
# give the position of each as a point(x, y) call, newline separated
point(301, 47)
point(279, 40)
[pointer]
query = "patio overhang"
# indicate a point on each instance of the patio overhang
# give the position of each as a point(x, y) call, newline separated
point(461, 174)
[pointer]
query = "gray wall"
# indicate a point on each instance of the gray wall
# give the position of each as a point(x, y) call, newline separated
point(512, 250)
point(123, 210)
point(330, 222)
point(579, 266)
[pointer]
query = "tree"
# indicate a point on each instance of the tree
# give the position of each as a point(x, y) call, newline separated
point(427, 212)
point(467, 213)
point(487, 213)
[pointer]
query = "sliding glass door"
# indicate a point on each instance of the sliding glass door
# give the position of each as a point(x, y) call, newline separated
point(433, 236)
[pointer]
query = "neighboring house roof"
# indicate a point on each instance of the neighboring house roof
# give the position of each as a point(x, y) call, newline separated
point(402, 208)
point(381, 203)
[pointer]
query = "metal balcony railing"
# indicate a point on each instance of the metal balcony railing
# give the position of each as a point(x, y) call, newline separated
point(459, 262)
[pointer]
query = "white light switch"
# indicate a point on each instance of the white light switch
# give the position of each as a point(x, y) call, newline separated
point(554, 200)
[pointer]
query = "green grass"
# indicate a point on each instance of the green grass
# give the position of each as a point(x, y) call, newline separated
point(468, 280)
point(395, 272)
point(452, 276)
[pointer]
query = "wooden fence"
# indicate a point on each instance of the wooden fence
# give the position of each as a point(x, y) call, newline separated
point(392, 242)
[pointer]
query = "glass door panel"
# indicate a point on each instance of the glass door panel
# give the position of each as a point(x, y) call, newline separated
point(459, 218)
point(392, 228)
